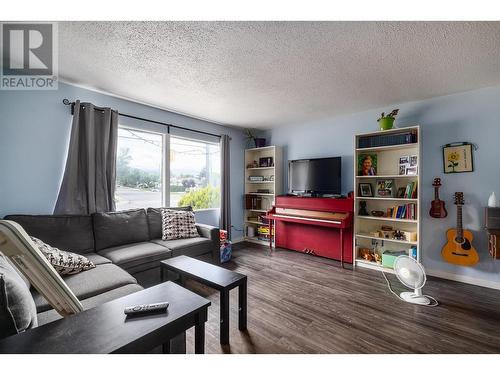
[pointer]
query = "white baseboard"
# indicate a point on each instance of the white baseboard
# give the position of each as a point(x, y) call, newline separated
point(463, 279)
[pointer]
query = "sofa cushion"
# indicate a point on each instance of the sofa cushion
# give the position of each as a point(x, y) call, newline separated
point(52, 315)
point(64, 262)
point(97, 259)
point(67, 232)
point(155, 222)
point(17, 308)
point(90, 283)
point(120, 228)
point(132, 255)
point(187, 246)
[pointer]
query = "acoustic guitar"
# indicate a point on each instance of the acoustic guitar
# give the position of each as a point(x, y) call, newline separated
point(459, 249)
point(438, 209)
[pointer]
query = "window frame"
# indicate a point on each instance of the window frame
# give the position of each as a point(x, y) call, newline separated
point(165, 144)
point(168, 156)
point(165, 166)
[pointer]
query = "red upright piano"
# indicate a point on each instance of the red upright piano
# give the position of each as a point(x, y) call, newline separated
point(319, 226)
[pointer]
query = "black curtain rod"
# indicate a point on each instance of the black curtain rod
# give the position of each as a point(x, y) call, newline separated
point(72, 104)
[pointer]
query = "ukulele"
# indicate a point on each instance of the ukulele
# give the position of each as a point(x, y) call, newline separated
point(459, 249)
point(438, 209)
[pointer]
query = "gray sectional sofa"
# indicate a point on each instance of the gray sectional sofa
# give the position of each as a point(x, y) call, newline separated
point(125, 246)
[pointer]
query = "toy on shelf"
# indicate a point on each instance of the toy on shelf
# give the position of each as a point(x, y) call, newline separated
point(398, 235)
point(366, 254)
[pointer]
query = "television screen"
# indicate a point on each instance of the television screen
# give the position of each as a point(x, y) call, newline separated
point(317, 176)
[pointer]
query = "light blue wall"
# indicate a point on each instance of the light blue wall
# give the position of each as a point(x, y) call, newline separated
point(34, 136)
point(34, 133)
point(472, 116)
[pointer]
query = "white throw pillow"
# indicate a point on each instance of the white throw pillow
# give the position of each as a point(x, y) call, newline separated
point(177, 224)
point(64, 262)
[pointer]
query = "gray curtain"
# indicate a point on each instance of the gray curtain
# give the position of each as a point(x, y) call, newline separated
point(88, 184)
point(225, 206)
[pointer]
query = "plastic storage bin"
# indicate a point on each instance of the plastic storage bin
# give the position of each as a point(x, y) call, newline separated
point(388, 257)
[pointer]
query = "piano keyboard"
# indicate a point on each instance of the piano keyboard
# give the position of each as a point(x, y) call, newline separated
point(308, 219)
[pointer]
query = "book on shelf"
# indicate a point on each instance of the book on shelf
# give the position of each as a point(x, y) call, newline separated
point(411, 190)
point(253, 202)
point(382, 140)
point(405, 211)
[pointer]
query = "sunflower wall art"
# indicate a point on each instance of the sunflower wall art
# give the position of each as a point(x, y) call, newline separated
point(457, 157)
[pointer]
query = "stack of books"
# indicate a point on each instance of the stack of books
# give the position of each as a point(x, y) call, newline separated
point(411, 190)
point(405, 211)
point(252, 202)
point(388, 139)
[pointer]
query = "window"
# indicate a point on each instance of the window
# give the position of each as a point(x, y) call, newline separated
point(141, 171)
point(138, 169)
point(194, 173)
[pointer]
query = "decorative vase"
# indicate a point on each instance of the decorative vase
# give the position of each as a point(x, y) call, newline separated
point(492, 200)
point(260, 142)
point(386, 123)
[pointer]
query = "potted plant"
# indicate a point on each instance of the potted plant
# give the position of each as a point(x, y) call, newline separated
point(258, 142)
point(386, 122)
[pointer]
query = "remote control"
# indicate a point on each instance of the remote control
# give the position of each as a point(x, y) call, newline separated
point(148, 308)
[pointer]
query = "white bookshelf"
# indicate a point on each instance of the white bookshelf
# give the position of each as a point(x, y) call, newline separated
point(386, 199)
point(387, 169)
point(267, 199)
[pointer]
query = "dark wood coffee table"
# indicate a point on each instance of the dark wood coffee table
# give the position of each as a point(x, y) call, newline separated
point(215, 277)
point(106, 329)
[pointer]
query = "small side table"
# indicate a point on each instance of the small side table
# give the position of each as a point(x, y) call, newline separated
point(215, 277)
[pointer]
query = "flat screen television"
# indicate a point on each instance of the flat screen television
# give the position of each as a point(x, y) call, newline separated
point(315, 176)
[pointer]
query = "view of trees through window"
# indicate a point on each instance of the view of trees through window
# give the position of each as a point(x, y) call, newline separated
point(194, 172)
point(138, 169)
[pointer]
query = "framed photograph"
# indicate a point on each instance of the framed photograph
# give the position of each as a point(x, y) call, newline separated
point(365, 190)
point(413, 160)
point(266, 162)
point(458, 158)
point(401, 192)
point(411, 171)
point(385, 188)
point(367, 165)
point(404, 160)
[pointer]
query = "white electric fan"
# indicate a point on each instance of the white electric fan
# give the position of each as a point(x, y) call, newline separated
point(412, 274)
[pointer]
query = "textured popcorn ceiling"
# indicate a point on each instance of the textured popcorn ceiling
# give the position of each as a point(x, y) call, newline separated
point(267, 74)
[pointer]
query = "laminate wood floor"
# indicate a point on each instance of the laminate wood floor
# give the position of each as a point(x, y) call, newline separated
point(299, 303)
